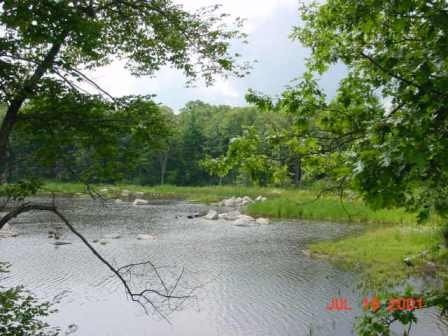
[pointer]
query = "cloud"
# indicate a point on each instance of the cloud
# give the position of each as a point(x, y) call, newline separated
point(280, 60)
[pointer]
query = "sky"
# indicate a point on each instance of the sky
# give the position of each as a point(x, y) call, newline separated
point(279, 60)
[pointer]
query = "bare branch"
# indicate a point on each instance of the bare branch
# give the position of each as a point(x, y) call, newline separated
point(134, 296)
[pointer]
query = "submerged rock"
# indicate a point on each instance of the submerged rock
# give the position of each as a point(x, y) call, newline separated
point(112, 236)
point(139, 201)
point(145, 236)
point(59, 243)
point(245, 221)
point(231, 215)
point(246, 218)
point(211, 214)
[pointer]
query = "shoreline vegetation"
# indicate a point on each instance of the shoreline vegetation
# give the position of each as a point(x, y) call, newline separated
point(390, 246)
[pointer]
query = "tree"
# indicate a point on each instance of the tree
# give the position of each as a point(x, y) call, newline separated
point(47, 41)
point(46, 48)
point(389, 120)
point(398, 51)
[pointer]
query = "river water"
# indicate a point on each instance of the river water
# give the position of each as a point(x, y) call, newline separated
point(242, 280)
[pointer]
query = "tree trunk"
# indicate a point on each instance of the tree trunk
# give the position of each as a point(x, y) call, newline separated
point(163, 158)
point(297, 171)
point(25, 92)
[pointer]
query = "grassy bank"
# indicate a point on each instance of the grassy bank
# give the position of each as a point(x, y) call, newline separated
point(389, 237)
point(380, 254)
point(208, 194)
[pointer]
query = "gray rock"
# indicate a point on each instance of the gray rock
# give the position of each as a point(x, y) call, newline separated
point(112, 236)
point(60, 243)
point(8, 231)
point(139, 201)
point(246, 218)
point(244, 222)
point(231, 215)
point(229, 202)
point(145, 236)
point(247, 199)
point(211, 214)
point(262, 221)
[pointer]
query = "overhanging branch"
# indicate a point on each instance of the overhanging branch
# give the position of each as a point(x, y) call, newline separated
point(140, 297)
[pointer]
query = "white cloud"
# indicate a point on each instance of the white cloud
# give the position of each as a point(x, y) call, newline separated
point(255, 11)
point(280, 60)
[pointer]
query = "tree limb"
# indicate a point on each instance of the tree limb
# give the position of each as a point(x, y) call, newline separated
point(134, 296)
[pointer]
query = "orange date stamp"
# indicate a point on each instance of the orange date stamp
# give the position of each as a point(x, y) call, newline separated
point(374, 304)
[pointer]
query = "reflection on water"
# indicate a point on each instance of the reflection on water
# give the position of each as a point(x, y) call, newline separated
point(255, 280)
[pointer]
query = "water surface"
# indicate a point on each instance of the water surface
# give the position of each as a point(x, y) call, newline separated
point(252, 280)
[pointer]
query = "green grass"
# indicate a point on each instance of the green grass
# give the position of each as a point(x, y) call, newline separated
point(388, 237)
point(380, 253)
point(304, 205)
point(206, 194)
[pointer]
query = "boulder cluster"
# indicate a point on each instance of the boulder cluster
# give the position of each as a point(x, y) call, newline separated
point(236, 218)
point(236, 202)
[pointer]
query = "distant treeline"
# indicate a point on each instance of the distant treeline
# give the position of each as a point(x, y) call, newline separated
point(177, 157)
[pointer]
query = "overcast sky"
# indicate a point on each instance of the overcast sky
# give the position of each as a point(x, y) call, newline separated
point(279, 60)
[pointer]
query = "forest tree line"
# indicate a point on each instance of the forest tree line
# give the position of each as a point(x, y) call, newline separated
point(184, 150)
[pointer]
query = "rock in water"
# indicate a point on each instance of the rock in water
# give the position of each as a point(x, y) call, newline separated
point(211, 214)
point(139, 201)
point(231, 215)
point(145, 236)
point(7, 231)
point(246, 200)
point(230, 202)
point(246, 218)
point(242, 221)
point(112, 236)
point(59, 243)
point(262, 221)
